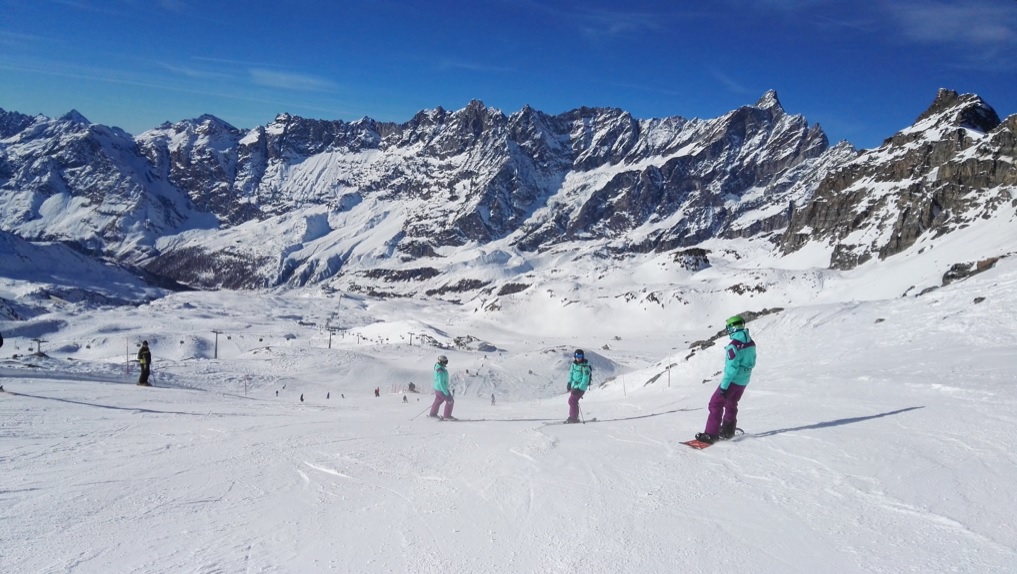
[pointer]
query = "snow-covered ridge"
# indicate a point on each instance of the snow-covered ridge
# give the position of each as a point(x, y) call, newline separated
point(179, 200)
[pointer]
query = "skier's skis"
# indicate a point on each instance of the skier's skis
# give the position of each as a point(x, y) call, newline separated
point(455, 420)
point(593, 420)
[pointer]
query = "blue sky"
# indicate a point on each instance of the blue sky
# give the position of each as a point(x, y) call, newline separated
point(861, 69)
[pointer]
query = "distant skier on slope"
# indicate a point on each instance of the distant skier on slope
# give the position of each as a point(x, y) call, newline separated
point(580, 374)
point(145, 360)
point(739, 360)
point(442, 394)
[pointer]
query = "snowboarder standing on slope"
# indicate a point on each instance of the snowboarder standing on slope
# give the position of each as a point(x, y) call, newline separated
point(145, 360)
point(442, 394)
point(580, 374)
point(739, 360)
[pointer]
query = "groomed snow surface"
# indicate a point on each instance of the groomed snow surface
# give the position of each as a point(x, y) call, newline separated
point(880, 437)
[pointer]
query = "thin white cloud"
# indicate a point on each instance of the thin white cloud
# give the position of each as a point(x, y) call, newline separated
point(17, 38)
point(617, 22)
point(290, 80)
point(241, 63)
point(116, 77)
point(646, 88)
point(981, 35)
point(195, 73)
point(729, 82)
point(452, 64)
point(89, 7)
point(595, 22)
point(861, 24)
point(178, 6)
point(971, 23)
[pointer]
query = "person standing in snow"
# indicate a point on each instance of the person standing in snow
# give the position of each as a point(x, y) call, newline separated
point(739, 360)
point(580, 374)
point(442, 394)
point(145, 360)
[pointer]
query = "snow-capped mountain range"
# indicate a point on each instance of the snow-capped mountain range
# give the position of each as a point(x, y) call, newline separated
point(388, 209)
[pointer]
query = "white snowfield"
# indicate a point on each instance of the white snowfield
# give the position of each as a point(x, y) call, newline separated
point(880, 437)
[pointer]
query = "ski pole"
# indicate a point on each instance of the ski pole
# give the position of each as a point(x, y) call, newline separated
point(581, 417)
point(421, 412)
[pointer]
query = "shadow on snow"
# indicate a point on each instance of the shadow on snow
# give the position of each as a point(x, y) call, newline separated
point(132, 409)
point(545, 420)
point(835, 423)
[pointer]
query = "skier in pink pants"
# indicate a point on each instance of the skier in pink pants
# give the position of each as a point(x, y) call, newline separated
point(442, 394)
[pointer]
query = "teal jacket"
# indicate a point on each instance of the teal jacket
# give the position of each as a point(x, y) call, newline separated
point(441, 379)
point(739, 359)
point(580, 375)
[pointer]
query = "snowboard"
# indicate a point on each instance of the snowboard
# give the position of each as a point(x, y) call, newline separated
point(700, 445)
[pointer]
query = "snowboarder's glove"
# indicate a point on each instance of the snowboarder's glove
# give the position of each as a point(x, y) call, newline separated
point(723, 393)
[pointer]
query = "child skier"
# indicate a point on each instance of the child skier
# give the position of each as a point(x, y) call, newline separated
point(441, 390)
point(580, 374)
point(739, 360)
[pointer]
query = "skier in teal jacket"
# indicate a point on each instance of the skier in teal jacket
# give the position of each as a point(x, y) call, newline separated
point(739, 360)
point(442, 394)
point(580, 374)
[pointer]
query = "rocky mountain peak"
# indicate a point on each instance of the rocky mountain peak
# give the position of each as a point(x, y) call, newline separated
point(74, 116)
point(769, 101)
point(960, 110)
point(933, 176)
point(12, 123)
point(210, 120)
point(477, 117)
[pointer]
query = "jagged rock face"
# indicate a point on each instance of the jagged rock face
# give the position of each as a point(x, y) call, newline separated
point(86, 185)
point(952, 165)
point(484, 175)
point(750, 149)
point(12, 123)
point(370, 195)
point(198, 158)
